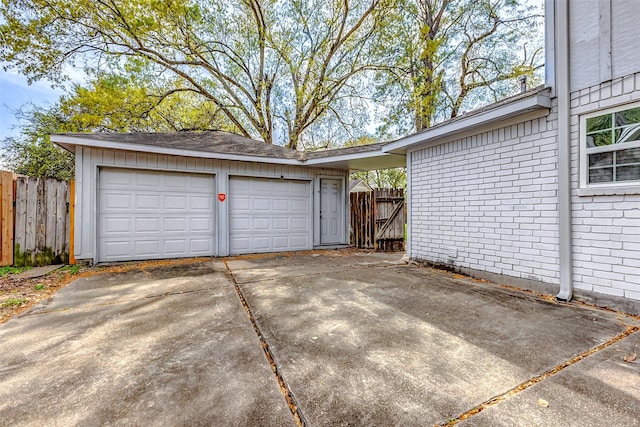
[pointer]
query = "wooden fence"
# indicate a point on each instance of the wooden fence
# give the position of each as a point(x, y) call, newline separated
point(378, 220)
point(36, 220)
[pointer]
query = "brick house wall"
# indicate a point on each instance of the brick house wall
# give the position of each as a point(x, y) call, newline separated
point(489, 202)
point(606, 222)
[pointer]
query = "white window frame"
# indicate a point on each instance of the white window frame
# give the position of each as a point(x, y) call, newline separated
point(585, 151)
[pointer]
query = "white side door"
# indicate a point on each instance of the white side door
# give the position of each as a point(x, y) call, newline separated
point(331, 212)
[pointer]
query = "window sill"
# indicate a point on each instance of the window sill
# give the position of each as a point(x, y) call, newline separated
point(609, 191)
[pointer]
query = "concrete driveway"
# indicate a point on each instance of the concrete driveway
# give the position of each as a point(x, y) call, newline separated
point(355, 339)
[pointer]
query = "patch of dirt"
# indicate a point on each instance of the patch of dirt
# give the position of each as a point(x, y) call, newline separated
point(18, 295)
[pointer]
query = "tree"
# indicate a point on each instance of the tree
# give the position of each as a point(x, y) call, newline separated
point(382, 178)
point(32, 153)
point(111, 103)
point(262, 64)
point(456, 55)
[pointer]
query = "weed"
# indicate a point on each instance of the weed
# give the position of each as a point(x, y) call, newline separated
point(12, 302)
point(40, 286)
point(9, 269)
point(71, 269)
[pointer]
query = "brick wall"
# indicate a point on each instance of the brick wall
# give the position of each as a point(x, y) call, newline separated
point(489, 202)
point(606, 223)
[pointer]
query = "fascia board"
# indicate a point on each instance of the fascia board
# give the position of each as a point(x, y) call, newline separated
point(537, 101)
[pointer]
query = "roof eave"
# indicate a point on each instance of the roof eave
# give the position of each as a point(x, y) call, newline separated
point(538, 101)
point(70, 142)
point(370, 160)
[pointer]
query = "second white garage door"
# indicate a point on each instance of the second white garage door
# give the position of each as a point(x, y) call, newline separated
point(269, 215)
point(152, 215)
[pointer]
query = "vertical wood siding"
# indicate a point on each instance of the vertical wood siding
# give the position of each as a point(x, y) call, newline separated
point(89, 160)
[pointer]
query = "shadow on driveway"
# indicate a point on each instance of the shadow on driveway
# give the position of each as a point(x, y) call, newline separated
point(363, 340)
point(359, 339)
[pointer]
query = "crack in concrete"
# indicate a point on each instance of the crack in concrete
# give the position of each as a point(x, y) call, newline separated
point(539, 378)
point(284, 388)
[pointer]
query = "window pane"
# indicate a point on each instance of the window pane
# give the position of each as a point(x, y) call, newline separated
point(599, 123)
point(601, 175)
point(628, 134)
point(632, 155)
point(601, 159)
point(599, 139)
point(628, 116)
point(628, 173)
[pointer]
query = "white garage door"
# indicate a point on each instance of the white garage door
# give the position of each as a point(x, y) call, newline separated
point(269, 215)
point(153, 215)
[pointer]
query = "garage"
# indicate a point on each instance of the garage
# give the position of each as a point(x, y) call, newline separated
point(269, 215)
point(140, 196)
point(146, 214)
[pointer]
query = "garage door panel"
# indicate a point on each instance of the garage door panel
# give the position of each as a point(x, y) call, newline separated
point(153, 214)
point(240, 244)
point(299, 189)
point(281, 223)
point(116, 225)
point(299, 241)
point(300, 223)
point(147, 224)
point(200, 225)
point(176, 203)
point(261, 204)
point(118, 179)
point(175, 246)
point(260, 224)
point(148, 202)
point(116, 201)
point(146, 180)
point(240, 224)
point(300, 206)
point(149, 247)
point(176, 183)
point(117, 249)
point(200, 246)
point(281, 242)
point(200, 203)
point(261, 243)
point(178, 225)
point(268, 223)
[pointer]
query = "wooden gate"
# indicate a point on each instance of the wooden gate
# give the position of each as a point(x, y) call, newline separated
point(378, 220)
point(36, 220)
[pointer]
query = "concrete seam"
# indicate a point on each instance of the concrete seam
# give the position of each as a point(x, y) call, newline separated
point(284, 388)
point(539, 378)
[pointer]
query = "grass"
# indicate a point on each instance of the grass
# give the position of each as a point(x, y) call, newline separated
point(9, 269)
point(71, 269)
point(12, 302)
point(40, 286)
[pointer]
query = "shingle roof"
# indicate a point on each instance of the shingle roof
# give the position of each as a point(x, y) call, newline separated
point(220, 142)
point(209, 142)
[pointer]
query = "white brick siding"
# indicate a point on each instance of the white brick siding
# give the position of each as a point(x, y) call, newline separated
point(489, 202)
point(606, 228)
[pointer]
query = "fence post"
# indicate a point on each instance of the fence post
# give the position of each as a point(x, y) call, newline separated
point(6, 208)
point(72, 216)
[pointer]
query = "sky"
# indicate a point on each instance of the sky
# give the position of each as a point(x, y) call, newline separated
point(16, 92)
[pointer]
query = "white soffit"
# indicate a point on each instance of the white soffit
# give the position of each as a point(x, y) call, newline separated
point(536, 102)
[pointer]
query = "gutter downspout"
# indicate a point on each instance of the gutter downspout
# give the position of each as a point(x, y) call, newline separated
point(564, 154)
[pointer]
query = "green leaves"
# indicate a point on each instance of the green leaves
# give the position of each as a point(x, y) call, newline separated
point(298, 69)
